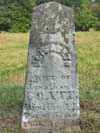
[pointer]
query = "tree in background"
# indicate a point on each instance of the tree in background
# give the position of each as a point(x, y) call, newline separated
point(87, 13)
point(15, 15)
point(65, 2)
point(86, 17)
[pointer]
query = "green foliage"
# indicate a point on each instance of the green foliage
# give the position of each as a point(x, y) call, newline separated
point(65, 2)
point(86, 17)
point(15, 15)
point(95, 10)
point(98, 1)
point(5, 21)
point(86, 21)
point(21, 20)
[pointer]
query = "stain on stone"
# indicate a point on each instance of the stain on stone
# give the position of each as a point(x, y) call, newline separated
point(51, 99)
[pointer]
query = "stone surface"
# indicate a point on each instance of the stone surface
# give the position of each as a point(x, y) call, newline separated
point(51, 101)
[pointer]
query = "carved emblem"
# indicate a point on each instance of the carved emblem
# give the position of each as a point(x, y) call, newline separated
point(64, 52)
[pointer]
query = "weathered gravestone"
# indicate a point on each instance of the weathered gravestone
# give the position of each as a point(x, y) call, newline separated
point(51, 100)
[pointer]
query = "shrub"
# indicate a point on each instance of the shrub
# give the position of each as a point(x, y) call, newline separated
point(85, 21)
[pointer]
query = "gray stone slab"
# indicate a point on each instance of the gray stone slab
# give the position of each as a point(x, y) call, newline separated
point(51, 101)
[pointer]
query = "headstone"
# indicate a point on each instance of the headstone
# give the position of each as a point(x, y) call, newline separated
point(51, 101)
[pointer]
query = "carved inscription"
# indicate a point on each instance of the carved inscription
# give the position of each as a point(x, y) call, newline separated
point(44, 87)
point(51, 93)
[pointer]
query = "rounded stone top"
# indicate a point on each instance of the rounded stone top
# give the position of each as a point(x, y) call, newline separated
point(51, 22)
point(52, 3)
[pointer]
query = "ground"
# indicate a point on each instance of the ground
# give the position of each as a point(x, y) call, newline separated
point(13, 60)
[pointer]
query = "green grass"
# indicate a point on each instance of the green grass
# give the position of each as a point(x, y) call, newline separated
point(13, 57)
point(89, 64)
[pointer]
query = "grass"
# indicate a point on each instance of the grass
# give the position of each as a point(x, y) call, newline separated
point(13, 57)
point(89, 64)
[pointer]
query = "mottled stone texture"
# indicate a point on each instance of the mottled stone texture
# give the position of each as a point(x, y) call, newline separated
point(51, 101)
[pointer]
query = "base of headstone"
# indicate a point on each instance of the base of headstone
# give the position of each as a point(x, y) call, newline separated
point(72, 129)
point(69, 128)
